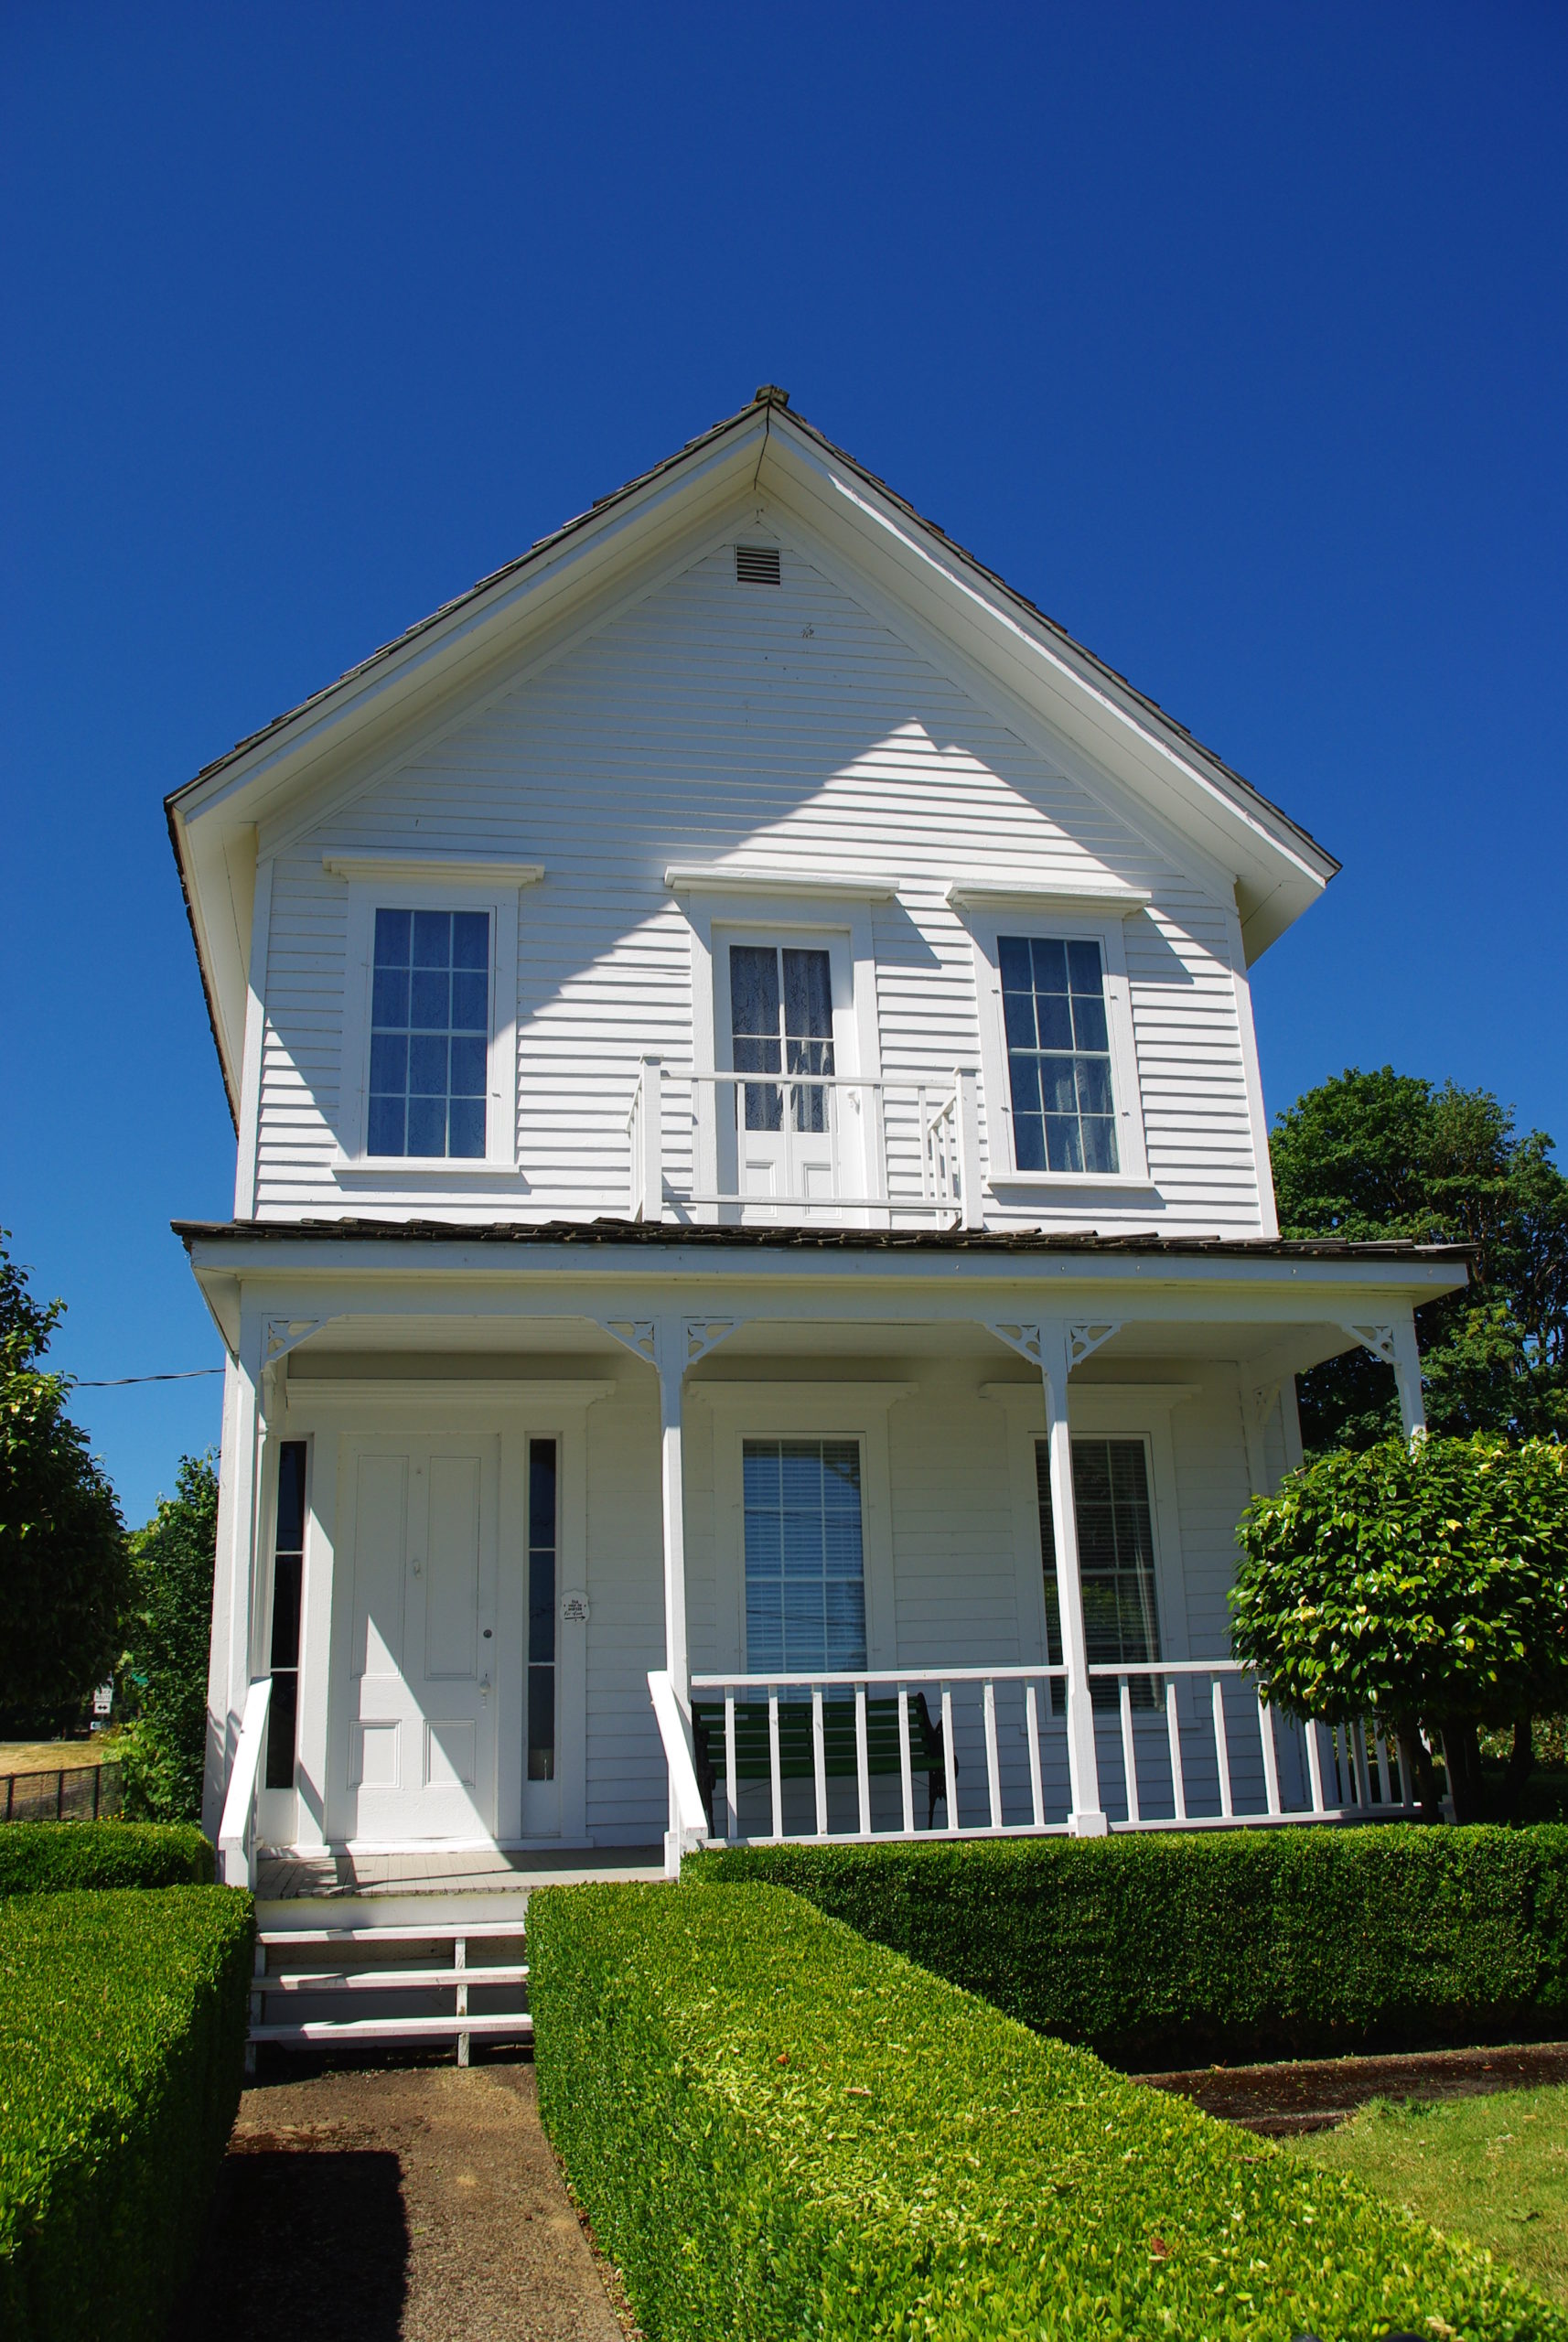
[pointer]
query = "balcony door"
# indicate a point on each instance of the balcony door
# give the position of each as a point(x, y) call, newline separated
point(791, 1136)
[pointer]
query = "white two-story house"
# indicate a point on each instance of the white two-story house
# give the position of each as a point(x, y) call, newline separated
point(753, 1304)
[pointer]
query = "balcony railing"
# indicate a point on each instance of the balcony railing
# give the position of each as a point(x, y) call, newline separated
point(798, 1144)
point(878, 1753)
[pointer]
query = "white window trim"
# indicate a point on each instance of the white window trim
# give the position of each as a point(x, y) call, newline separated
point(1097, 1410)
point(856, 1411)
point(814, 916)
point(1035, 920)
point(388, 891)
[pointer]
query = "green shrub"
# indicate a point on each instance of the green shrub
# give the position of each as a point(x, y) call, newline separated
point(123, 2023)
point(42, 1857)
point(1172, 1948)
point(779, 2130)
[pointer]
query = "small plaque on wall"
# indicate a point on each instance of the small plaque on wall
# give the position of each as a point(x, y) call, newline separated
point(575, 1609)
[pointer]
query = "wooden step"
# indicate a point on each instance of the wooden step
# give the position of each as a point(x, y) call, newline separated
point(382, 1980)
point(439, 1931)
point(326, 2030)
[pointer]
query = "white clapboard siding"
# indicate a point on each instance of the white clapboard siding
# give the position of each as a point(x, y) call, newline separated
point(711, 721)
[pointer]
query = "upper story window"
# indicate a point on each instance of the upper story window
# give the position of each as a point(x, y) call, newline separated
point(1058, 1053)
point(781, 1020)
point(430, 1022)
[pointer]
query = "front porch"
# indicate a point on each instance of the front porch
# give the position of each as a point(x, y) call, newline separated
point(547, 1545)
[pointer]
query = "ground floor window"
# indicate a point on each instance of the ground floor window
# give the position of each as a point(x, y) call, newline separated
point(288, 1576)
point(1115, 1558)
point(805, 1572)
point(544, 1544)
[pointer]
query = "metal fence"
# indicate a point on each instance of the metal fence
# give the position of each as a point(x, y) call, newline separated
point(72, 1793)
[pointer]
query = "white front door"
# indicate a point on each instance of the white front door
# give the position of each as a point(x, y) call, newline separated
point(418, 1529)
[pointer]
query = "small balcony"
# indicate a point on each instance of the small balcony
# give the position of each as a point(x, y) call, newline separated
point(732, 1147)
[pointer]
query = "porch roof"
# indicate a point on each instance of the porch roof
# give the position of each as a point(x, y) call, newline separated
point(603, 1232)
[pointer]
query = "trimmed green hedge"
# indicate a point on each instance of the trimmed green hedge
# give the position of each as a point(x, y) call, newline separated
point(43, 1857)
point(780, 2130)
point(1179, 1947)
point(123, 2020)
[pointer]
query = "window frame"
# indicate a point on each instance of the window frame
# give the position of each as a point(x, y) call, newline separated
point(802, 912)
point(1038, 921)
point(846, 1410)
point(479, 893)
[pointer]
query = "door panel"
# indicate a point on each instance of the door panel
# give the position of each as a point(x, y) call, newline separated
point(452, 1572)
point(380, 1518)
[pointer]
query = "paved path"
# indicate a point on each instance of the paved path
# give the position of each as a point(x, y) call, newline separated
point(420, 2204)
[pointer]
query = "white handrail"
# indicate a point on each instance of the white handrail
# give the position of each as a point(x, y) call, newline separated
point(690, 1828)
point(849, 1677)
point(235, 1829)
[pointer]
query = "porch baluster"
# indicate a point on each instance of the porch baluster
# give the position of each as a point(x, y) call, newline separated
point(1384, 1783)
point(1363, 1774)
point(773, 1766)
point(1173, 1734)
point(1314, 1767)
point(1271, 1755)
point(1032, 1727)
point(1129, 1753)
point(820, 1761)
point(950, 1760)
point(905, 1770)
point(862, 1761)
point(732, 1802)
point(1223, 1748)
point(992, 1762)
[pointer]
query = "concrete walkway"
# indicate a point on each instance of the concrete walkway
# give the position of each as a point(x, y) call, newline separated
point(417, 2203)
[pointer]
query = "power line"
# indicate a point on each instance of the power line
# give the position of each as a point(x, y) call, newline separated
point(118, 1381)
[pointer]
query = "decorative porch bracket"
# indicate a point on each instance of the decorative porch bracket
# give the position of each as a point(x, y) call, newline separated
point(1055, 1346)
point(1397, 1347)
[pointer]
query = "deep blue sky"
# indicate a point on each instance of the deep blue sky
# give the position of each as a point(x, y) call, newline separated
point(1234, 336)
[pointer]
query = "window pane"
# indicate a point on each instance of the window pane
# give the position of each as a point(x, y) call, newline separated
point(754, 989)
point(542, 1580)
point(471, 939)
point(1059, 1054)
point(805, 1601)
point(1116, 1557)
point(808, 996)
point(428, 1089)
point(393, 931)
point(432, 939)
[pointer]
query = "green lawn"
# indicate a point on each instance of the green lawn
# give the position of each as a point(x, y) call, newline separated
point(1492, 2169)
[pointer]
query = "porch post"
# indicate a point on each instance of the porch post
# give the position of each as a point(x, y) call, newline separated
point(229, 1675)
point(671, 1347)
point(1086, 1819)
point(1407, 1375)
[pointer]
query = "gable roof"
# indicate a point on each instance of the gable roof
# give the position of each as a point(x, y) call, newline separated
point(766, 448)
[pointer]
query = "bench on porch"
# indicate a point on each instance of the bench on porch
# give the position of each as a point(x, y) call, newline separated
point(796, 1761)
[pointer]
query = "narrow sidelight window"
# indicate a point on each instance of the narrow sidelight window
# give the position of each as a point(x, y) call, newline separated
point(1059, 1054)
point(430, 1019)
point(1115, 1558)
point(543, 1539)
point(781, 1020)
point(805, 1580)
point(288, 1572)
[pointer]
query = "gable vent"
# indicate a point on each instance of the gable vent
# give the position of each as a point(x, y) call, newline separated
point(756, 564)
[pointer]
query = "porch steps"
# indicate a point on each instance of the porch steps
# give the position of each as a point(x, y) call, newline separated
point(348, 1973)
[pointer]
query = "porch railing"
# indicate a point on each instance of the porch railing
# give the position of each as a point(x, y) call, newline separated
point(237, 1829)
point(876, 1730)
point(1180, 1745)
point(1221, 1758)
point(911, 1147)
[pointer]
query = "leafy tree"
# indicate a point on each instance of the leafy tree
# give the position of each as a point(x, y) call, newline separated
point(1384, 1154)
point(63, 1566)
point(1421, 1583)
point(173, 1559)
